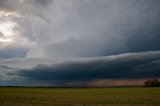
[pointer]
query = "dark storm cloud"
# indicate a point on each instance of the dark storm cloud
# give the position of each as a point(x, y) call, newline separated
point(126, 66)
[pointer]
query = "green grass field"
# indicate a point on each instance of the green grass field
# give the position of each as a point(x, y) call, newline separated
point(129, 96)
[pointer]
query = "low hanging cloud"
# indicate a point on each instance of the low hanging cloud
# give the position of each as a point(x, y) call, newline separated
point(130, 66)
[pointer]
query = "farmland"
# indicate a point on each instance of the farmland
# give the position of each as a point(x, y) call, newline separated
point(120, 96)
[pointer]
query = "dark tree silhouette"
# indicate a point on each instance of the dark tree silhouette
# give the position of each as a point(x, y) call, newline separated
point(152, 83)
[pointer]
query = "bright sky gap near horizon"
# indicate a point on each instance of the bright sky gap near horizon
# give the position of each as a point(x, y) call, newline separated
point(79, 42)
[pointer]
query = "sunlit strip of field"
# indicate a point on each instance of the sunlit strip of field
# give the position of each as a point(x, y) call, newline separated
point(122, 96)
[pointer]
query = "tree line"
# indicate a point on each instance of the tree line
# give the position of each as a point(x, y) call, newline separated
point(152, 83)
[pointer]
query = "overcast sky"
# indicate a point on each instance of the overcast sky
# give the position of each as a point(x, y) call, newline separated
point(79, 42)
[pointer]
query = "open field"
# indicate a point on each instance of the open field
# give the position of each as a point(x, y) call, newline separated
point(126, 96)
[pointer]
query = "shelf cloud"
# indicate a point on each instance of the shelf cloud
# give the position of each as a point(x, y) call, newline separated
point(130, 66)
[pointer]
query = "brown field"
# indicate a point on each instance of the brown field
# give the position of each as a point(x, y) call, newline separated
point(122, 96)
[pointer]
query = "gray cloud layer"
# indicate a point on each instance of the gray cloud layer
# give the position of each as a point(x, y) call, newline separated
point(103, 28)
point(88, 28)
point(131, 66)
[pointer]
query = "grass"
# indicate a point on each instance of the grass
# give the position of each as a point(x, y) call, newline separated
point(129, 96)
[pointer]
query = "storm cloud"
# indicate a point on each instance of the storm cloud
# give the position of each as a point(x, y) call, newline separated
point(74, 28)
point(82, 40)
point(130, 66)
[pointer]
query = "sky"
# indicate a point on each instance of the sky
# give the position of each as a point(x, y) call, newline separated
point(79, 42)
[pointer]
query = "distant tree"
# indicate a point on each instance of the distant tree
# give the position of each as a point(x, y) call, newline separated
point(152, 83)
